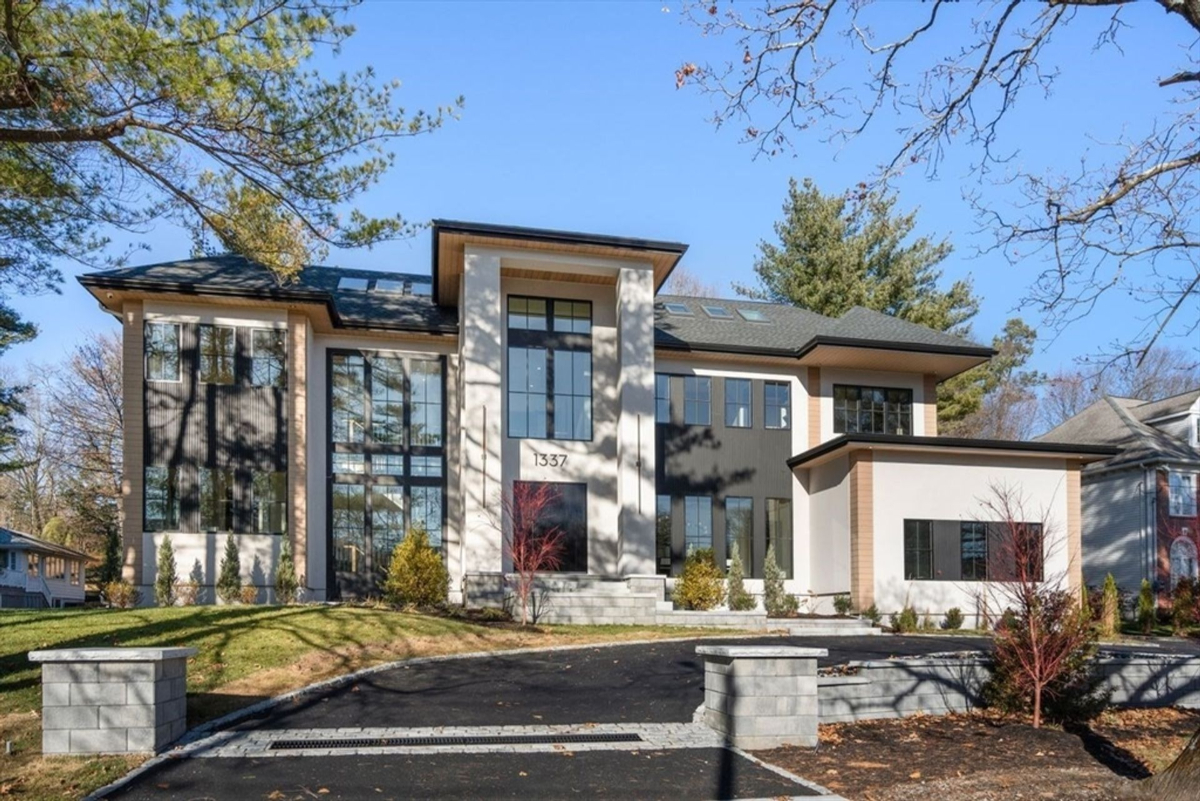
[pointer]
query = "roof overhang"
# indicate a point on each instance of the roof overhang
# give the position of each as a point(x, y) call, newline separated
point(895, 443)
point(450, 238)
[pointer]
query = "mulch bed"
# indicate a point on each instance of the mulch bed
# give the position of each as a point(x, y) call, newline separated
point(980, 757)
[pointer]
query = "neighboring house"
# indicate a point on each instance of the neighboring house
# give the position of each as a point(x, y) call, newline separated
point(348, 406)
point(1139, 507)
point(36, 574)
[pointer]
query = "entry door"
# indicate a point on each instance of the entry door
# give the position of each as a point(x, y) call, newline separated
point(568, 513)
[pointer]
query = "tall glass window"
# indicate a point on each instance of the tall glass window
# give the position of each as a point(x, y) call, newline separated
point(739, 528)
point(549, 369)
point(697, 522)
point(426, 382)
point(697, 400)
point(779, 532)
point(268, 502)
point(662, 534)
point(527, 314)
point(572, 394)
point(427, 512)
point(527, 393)
point(662, 398)
point(349, 528)
point(387, 523)
point(573, 316)
point(161, 341)
point(216, 354)
point(737, 403)
point(349, 381)
point(387, 400)
point(777, 405)
point(871, 410)
point(973, 542)
point(216, 500)
point(161, 494)
point(268, 357)
point(918, 550)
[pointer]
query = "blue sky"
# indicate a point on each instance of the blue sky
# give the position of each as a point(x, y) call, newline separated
point(572, 120)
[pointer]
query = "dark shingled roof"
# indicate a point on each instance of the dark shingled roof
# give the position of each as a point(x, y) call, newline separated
point(789, 331)
point(1118, 422)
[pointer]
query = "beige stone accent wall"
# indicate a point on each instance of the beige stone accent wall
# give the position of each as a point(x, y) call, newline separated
point(930, 401)
point(862, 529)
point(132, 468)
point(814, 407)
point(297, 465)
point(1074, 527)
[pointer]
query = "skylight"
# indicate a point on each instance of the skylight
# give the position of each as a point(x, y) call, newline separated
point(753, 315)
point(719, 312)
point(422, 288)
point(347, 282)
point(389, 285)
point(678, 308)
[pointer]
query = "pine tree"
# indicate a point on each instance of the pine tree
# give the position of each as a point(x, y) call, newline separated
point(776, 599)
point(229, 579)
point(110, 568)
point(739, 599)
point(1110, 608)
point(285, 575)
point(166, 577)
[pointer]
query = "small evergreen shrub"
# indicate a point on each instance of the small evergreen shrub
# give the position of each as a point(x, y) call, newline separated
point(872, 614)
point(285, 575)
point(954, 619)
point(739, 599)
point(1085, 604)
point(188, 592)
point(904, 621)
point(417, 575)
point(842, 605)
point(776, 599)
point(701, 586)
point(229, 577)
point(248, 595)
point(121, 594)
point(1183, 606)
point(1147, 608)
point(110, 568)
point(1007, 620)
point(1110, 608)
point(166, 576)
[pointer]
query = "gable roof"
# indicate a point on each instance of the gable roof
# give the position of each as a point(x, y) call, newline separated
point(18, 541)
point(1118, 422)
point(1167, 407)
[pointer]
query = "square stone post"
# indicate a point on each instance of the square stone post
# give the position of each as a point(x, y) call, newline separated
point(761, 696)
point(112, 700)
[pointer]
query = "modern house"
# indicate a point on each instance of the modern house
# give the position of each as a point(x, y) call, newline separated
point(1139, 507)
point(35, 574)
point(347, 406)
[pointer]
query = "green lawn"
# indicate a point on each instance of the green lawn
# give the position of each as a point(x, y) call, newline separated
point(245, 653)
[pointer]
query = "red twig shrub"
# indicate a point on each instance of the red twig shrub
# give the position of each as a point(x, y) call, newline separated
point(531, 542)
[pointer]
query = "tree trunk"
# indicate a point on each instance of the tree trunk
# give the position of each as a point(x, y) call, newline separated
point(1037, 706)
point(1180, 780)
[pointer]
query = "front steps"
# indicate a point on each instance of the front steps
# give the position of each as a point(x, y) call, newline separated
point(599, 600)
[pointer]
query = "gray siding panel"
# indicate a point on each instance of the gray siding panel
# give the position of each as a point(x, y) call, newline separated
point(1113, 511)
point(947, 550)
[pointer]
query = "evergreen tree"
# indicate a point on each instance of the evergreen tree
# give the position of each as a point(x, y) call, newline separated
point(739, 599)
point(1147, 608)
point(110, 568)
point(1110, 608)
point(229, 577)
point(166, 577)
point(285, 575)
point(776, 599)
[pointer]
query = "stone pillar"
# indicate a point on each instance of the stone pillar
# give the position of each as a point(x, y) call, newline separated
point(297, 432)
point(761, 696)
point(112, 700)
point(635, 426)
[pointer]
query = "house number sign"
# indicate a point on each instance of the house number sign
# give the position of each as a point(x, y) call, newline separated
point(550, 459)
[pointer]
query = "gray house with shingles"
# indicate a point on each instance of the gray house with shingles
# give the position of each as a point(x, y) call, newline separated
point(1139, 507)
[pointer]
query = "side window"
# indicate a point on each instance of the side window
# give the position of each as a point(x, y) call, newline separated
point(268, 357)
point(161, 496)
point(216, 354)
point(268, 502)
point(697, 400)
point(216, 500)
point(662, 398)
point(697, 522)
point(737, 402)
point(918, 550)
point(777, 405)
point(974, 548)
point(162, 351)
point(662, 534)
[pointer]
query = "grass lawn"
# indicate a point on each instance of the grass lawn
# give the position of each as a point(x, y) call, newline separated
point(246, 653)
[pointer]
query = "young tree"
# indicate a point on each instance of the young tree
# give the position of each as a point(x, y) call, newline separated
point(1110, 608)
point(286, 584)
point(417, 576)
point(739, 599)
point(229, 576)
point(1043, 648)
point(531, 543)
point(776, 599)
point(166, 577)
point(1120, 219)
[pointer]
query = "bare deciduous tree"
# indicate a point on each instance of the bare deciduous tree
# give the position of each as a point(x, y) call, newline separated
point(685, 282)
point(529, 543)
point(1124, 218)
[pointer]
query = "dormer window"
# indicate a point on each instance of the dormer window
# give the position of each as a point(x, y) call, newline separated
point(717, 312)
point(753, 315)
point(351, 283)
point(680, 309)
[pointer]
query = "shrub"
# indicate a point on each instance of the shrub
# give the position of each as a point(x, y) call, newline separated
point(1147, 608)
point(701, 586)
point(229, 578)
point(739, 599)
point(904, 621)
point(285, 575)
point(121, 595)
point(1183, 606)
point(842, 604)
point(776, 599)
point(1007, 620)
point(872, 614)
point(954, 619)
point(188, 592)
point(110, 567)
point(1085, 604)
point(248, 594)
point(416, 575)
point(166, 577)
point(1110, 608)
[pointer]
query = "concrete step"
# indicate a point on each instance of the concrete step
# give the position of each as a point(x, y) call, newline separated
point(842, 631)
point(598, 601)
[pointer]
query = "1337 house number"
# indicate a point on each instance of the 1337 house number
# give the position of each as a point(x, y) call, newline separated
point(550, 459)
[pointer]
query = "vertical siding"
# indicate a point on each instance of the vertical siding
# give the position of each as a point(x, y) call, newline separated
point(814, 407)
point(862, 529)
point(134, 441)
point(1112, 520)
point(1074, 527)
point(930, 401)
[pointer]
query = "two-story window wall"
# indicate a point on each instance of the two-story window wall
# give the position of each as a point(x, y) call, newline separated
point(549, 371)
point(215, 448)
point(386, 460)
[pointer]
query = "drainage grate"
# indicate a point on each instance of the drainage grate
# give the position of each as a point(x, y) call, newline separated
point(483, 739)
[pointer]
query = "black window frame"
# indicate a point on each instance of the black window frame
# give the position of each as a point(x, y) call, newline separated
point(551, 339)
point(690, 403)
point(734, 406)
point(205, 373)
point(221, 503)
point(786, 542)
point(733, 509)
point(784, 409)
point(914, 549)
point(662, 400)
point(975, 566)
point(711, 534)
point(171, 499)
point(269, 479)
point(663, 556)
point(883, 404)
